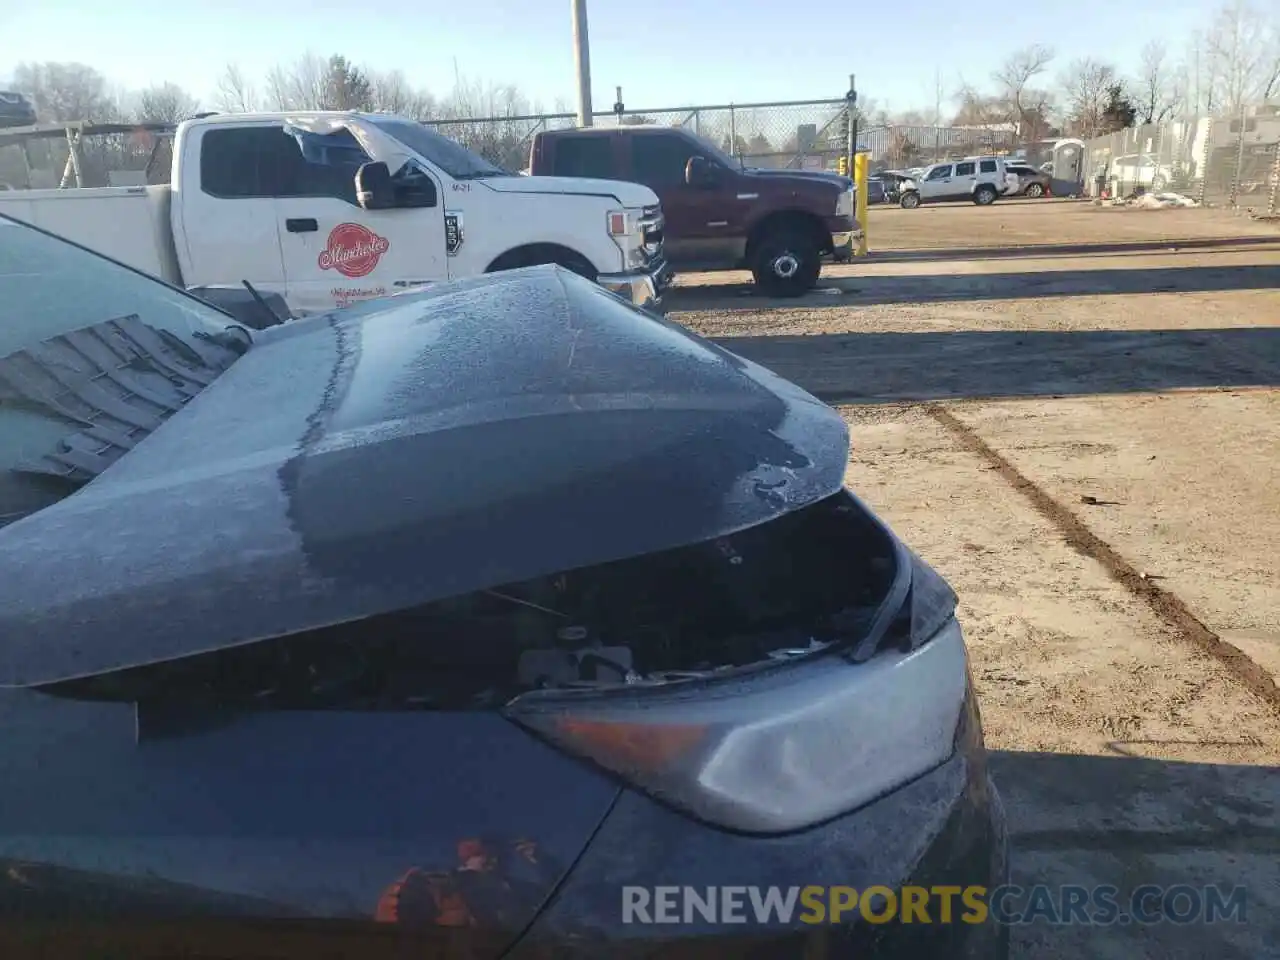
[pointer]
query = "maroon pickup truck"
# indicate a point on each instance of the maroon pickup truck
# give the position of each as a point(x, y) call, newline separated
point(720, 215)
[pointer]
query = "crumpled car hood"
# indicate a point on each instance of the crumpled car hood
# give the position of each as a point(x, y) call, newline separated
point(396, 453)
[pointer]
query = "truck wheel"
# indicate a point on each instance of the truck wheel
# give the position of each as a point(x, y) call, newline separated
point(577, 265)
point(535, 256)
point(984, 195)
point(910, 200)
point(1034, 190)
point(787, 264)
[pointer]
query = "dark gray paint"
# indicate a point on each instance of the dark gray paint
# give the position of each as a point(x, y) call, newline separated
point(395, 454)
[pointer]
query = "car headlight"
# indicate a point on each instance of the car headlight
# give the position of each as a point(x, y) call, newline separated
point(785, 748)
point(844, 204)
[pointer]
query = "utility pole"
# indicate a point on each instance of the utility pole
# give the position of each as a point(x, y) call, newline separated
point(937, 112)
point(582, 60)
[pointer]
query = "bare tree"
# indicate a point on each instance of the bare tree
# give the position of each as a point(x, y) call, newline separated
point(909, 118)
point(392, 93)
point(166, 103)
point(474, 98)
point(235, 93)
point(978, 109)
point(1025, 104)
point(504, 138)
point(1158, 92)
point(1240, 51)
point(304, 85)
point(66, 91)
point(1270, 69)
point(1087, 87)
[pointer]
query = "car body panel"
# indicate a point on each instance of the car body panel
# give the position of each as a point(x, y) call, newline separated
point(946, 827)
point(362, 462)
point(399, 451)
point(292, 817)
point(1028, 175)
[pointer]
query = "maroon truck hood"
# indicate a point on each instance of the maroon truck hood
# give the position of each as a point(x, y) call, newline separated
point(843, 183)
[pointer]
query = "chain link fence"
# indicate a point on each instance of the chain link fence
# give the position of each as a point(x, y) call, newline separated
point(107, 154)
point(900, 146)
point(799, 134)
point(1231, 161)
point(806, 134)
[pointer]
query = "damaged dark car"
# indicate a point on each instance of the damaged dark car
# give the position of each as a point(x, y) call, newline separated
point(463, 623)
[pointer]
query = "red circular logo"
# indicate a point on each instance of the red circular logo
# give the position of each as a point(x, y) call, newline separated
point(353, 250)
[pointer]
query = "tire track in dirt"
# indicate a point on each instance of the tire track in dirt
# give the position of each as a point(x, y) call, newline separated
point(1167, 606)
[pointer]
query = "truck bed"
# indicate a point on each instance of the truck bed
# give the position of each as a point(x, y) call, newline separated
point(129, 224)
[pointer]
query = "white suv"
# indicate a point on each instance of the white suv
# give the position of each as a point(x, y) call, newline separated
point(977, 179)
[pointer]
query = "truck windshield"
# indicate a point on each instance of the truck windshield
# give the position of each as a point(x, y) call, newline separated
point(715, 153)
point(50, 288)
point(449, 155)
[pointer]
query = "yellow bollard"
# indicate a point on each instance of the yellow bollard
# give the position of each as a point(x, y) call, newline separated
point(861, 163)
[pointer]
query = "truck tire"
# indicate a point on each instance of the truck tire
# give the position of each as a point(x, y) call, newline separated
point(910, 200)
point(540, 254)
point(985, 195)
point(786, 263)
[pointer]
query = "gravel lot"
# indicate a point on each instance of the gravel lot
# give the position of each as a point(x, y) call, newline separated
point(1074, 413)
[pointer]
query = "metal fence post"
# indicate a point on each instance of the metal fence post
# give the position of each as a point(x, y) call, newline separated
point(851, 101)
point(1235, 176)
point(733, 131)
point(1274, 203)
point(1204, 159)
point(1160, 156)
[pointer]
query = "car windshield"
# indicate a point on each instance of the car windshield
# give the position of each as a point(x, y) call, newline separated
point(50, 288)
point(449, 155)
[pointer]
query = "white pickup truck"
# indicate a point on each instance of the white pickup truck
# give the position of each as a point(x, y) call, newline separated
point(324, 209)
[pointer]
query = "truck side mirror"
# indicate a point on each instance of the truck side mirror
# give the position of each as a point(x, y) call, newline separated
point(699, 172)
point(374, 190)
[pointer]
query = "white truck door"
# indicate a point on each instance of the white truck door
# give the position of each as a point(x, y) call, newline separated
point(224, 209)
point(336, 253)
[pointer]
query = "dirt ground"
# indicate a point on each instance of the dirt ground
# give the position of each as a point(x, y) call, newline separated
point(1073, 412)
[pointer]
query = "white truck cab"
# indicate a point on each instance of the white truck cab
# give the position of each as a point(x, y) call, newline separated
point(325, 209)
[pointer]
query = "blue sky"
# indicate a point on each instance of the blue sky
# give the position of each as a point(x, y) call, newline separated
point(662, 52)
